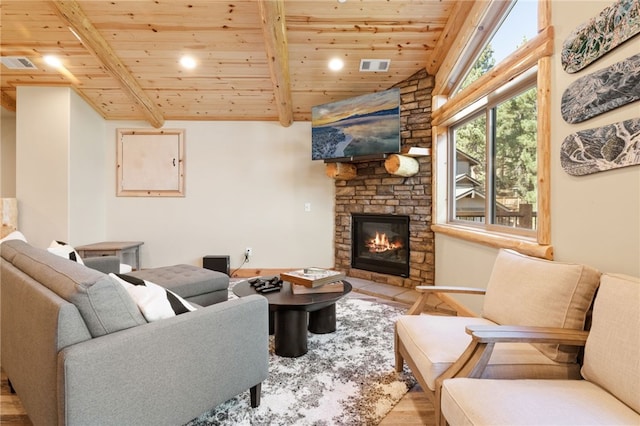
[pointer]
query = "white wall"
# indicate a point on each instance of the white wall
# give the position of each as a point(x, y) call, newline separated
point(595, 219)
point(246, 186)
point(87, 178)
point(7, 153)
point(42, 163)
point(60, 178)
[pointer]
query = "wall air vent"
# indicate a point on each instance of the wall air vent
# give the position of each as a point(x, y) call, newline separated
point(17, 63)
point(373, 65)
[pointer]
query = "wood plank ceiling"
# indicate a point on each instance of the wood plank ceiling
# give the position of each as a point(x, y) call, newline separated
point(257, 59)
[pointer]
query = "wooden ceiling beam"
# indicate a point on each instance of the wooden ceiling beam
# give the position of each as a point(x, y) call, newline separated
point(73, 16)
point(275, 39)
point(7, 101)
point(455, 24)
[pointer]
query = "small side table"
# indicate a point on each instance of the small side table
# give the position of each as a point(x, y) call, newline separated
point(122, 249)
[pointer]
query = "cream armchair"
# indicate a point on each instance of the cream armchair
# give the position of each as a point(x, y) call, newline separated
point(608, 395)
point(522, 291)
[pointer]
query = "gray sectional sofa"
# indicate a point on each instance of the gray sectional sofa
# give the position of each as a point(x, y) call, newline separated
point(77, 350)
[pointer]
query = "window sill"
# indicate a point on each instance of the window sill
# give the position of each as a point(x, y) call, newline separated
point(523, 245)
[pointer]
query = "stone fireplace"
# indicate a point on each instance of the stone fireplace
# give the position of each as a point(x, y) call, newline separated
point(380, 243)
point(374, 191)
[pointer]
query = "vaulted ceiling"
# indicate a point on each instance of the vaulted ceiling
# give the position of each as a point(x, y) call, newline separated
point(257, 59)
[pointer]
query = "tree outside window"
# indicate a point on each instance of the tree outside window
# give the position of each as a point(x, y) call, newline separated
point(495, 152)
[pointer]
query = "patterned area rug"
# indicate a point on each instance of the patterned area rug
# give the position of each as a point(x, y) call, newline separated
point(346, 378)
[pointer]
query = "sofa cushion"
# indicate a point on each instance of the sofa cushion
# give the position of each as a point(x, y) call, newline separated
point(8, 251)
point(186, 280)
point(525, 290)
point(104, 305)
point(63, 249)
point(435, 342)
point(531, 402)
point(154, 301)
point(612, 352)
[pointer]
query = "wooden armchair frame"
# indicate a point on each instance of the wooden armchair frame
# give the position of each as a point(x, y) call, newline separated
point(401, 353)
point(476, 356)
point(419, 305)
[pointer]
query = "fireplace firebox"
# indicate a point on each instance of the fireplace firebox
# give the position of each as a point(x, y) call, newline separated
point(380, 243)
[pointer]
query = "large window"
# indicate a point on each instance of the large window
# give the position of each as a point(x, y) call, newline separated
point(514, 27)
point(494, 179)
point(492, 131)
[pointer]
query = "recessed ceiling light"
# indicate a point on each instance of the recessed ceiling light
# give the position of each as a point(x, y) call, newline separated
point(188, 62)
point(52, 60)
point(342, 1)
point(336, 64)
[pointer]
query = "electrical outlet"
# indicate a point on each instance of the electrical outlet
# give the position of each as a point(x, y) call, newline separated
point(247, 253)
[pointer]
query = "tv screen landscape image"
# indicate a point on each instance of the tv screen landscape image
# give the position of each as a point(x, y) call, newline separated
point(356, 127)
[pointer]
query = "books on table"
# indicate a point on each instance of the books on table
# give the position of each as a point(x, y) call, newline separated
point(312, 277)
point(334, 287)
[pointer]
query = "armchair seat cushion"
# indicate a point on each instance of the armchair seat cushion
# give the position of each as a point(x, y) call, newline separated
point(508, 360)
point(532, 402)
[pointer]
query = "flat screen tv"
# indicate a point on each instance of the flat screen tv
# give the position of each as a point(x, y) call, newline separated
point(366, 125)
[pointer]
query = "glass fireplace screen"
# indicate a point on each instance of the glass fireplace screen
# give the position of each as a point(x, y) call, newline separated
point(380, 243)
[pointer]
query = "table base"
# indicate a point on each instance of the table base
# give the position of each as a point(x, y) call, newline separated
point(290, 328)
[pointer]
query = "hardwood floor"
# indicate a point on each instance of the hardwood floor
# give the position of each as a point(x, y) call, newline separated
point(415, 408)
point(11, 410)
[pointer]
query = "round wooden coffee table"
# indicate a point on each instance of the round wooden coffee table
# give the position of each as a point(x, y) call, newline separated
point(291, 315)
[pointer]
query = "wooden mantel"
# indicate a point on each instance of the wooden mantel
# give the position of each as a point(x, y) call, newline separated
point(403, 164)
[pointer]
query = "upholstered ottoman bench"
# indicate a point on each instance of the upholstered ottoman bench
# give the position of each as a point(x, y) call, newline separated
point(198, 285)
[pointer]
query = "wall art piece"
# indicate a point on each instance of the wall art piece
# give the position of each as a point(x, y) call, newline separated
point(366, 125)
point(603, 148)
point(593, 39)
point(602, 91)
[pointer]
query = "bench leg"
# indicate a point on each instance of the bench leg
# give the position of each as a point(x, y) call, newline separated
point(255, 395)
point(398, 356)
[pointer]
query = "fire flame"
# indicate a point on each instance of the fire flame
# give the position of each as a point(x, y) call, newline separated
point(381, 244)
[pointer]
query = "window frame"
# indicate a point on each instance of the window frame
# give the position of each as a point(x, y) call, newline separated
point(487, 107)
point(449, 109)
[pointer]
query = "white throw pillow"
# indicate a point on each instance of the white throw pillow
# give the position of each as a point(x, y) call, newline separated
point(63, 249)
point(155, 302)
point(15, 235)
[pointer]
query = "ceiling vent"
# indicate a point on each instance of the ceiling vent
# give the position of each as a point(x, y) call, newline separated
point(17, 63)
point(373, 65)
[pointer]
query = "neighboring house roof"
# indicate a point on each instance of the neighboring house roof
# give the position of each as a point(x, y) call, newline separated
point(466, 180)
point(463, 156)
point(466, 192)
